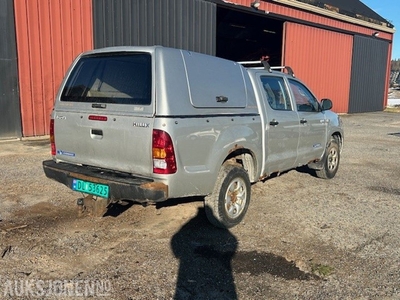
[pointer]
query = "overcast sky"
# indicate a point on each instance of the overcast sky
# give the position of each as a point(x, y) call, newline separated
point(389, 10)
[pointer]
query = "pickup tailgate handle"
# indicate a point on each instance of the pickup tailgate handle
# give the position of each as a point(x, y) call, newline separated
point(274, 122)
point(221, 99)
point(96, 133)
point(303, 121)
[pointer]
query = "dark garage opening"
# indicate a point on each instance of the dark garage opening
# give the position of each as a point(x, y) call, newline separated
point(243, 36)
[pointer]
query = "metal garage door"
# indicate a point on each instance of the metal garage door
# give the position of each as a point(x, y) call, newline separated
point(10, 119)
point(369, 69)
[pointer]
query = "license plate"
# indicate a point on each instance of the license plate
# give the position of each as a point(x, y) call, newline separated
point(97, 189)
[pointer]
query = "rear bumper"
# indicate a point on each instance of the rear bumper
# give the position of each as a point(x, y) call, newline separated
point(121, 185)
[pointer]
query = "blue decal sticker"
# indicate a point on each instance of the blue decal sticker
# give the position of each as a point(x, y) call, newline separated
point(66, 153)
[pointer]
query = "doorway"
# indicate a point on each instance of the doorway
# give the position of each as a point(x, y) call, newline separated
point(243, 36)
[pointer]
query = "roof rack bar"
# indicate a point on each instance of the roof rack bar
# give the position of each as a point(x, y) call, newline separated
point(267, 66)
point(250, 62)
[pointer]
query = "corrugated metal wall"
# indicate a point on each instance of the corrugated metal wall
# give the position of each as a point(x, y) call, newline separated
point(10, 120)
point(186, 24)
point(368, 89)
point(50, 34)
point(322, 59)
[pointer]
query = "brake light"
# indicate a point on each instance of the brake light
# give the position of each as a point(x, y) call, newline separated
point(52, 139)
point(164, 161)
point(97, 118)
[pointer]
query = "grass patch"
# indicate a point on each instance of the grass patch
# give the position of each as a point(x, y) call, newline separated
point(321, 270)
point(394, 109)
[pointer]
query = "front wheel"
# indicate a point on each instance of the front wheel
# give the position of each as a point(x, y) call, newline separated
point(331, 160)
point(228, 203)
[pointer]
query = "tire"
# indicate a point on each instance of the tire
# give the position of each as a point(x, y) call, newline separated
point(228, 203)
point(331, 161)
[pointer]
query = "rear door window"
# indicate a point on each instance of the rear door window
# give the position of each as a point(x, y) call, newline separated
point(118, 78)
point(276, 93)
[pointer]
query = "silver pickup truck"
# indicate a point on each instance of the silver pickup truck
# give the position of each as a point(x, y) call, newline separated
point(153, 123)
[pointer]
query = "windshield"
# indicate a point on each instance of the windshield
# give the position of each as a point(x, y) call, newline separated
point(121, 78)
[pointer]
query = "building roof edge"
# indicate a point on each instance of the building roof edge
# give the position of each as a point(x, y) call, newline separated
point(334, 12)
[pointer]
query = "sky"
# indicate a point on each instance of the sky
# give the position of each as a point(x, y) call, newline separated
point(389, 10)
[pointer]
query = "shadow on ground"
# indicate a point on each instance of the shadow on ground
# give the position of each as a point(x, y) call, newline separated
point(205, 254)
point(208, 259)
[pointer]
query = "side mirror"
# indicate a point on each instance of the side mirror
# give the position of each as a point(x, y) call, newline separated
point(326, 104)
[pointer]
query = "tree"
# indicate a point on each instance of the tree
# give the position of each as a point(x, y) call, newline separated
point(395, 65)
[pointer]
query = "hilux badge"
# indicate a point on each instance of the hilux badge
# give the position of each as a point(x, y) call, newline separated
point(141, 124)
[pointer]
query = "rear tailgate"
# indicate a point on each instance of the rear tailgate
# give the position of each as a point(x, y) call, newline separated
point(103, 114)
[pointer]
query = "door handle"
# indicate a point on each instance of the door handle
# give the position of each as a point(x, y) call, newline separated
point(303, 121)
point(274, 122)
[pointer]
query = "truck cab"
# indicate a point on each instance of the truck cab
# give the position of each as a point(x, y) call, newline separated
point(297, 127)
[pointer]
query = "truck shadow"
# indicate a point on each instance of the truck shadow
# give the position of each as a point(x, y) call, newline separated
point(302, 169)
point(118, 208)
point(306, 170)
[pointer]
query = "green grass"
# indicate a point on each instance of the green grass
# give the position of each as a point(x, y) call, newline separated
point(395, 109)
point(321, 270)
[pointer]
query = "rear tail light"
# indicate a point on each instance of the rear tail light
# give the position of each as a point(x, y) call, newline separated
point(52, 139)
point(164, 161)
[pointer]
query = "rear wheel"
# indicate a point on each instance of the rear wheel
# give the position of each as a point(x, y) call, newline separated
point(228, 203)
point(331, 160)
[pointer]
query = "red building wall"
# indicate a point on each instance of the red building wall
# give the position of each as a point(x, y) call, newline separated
point(322, 59)
point(49, 34)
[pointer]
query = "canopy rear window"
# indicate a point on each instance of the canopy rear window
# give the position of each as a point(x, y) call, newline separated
point(120, 78)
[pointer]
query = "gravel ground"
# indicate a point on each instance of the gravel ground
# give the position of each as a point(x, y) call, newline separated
point(302, 238)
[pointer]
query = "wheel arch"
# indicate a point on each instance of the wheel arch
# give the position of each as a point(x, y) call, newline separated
point(338, 136)
point(246, 158)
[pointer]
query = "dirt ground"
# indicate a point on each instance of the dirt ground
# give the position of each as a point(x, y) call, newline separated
point(302, 238)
